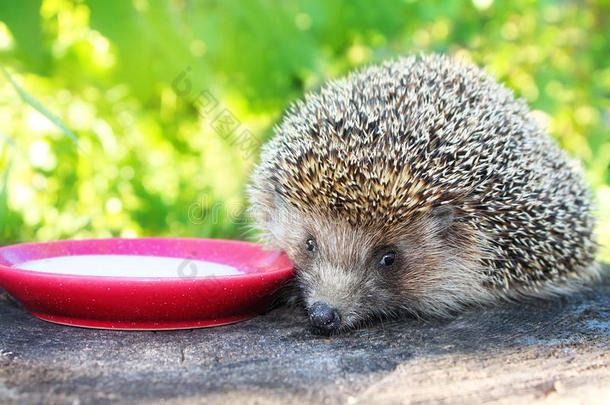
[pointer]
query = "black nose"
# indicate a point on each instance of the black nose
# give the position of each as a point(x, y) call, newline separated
point(323, 317)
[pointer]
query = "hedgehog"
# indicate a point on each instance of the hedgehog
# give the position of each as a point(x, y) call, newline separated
point(420, 186)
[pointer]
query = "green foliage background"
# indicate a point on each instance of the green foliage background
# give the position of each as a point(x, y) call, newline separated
point(149, 160)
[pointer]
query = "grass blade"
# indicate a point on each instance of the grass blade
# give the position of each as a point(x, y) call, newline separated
point(29, 99)
point(4, 199)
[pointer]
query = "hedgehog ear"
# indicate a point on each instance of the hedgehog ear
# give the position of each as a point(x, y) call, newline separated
point(443, 216)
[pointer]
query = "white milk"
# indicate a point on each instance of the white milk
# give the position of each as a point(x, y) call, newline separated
point(128, 266)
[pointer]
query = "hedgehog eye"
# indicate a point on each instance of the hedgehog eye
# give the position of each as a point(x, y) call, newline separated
point(387, 259)
point(310, 245)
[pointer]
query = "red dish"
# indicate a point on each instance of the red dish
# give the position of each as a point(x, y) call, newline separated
point(143, 302)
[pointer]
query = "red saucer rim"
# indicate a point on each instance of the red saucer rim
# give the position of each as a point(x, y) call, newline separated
point(288, 268)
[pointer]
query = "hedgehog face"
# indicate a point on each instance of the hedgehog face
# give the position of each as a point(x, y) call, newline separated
point(344, 273)
point(349, 274)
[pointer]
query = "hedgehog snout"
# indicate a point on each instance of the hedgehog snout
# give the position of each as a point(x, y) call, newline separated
point(323, 318)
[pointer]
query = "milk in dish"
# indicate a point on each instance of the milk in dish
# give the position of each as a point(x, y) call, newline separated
point(129, 266)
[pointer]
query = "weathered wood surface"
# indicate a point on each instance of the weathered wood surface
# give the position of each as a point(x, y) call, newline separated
point(544, 352)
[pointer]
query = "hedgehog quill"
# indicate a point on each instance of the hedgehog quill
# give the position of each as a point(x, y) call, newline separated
point(421, 186)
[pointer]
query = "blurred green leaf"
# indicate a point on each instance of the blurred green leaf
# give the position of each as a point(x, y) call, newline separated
point(24, 22)
point(4, 201)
